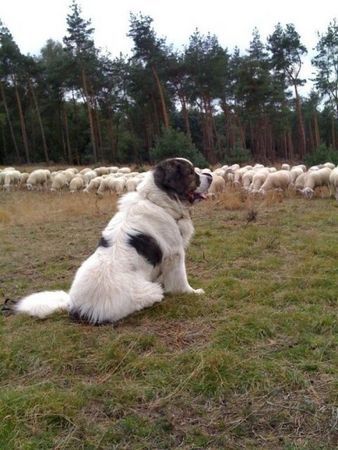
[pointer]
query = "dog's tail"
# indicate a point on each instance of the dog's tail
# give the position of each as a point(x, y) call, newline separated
point(40, 304)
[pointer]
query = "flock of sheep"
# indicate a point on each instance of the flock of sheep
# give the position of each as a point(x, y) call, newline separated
point(259, 179)
point(256, 179)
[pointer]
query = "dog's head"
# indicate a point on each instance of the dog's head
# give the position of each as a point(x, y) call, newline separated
point(178, 178)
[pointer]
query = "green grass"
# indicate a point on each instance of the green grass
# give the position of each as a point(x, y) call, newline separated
point(252, 364)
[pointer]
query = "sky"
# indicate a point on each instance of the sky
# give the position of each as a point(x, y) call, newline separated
point(33, 22)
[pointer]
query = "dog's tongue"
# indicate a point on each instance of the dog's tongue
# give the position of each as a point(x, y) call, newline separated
point(197, 196)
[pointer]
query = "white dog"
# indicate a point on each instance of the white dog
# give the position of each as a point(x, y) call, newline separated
point(141, 254)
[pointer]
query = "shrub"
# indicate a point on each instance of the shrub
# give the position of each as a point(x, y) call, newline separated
point(321, 155)
point(173, 143)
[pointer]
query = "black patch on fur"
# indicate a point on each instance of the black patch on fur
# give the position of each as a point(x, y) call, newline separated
point(147, 247)
point(75, 316)
point(103, 242)
point(7, 309)
point(176, 177)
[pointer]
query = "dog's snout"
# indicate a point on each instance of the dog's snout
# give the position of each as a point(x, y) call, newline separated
point(209, 177)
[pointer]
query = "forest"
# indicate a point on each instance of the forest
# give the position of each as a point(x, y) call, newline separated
point(75, 104)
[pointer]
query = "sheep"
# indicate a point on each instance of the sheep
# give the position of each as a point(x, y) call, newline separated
point(334, 183)
point(258, 179)
point(101, 171)
point(124, 170)
point(2, 178)
point(300, 181)
point(69, 174)
point(12, 178)
point(330, 165)
point(59, 181)
point(217, 185)
point(295, 172)
point(112, 184)
point(276, 180)
point(220, 171)
point(76, 184)
point(38, 179)
point(88, 176)
point(285, 166)
point(132, 183)
point(247, 179)
point(93, 185)
point(299, 166)
point(23, 178)
point(113, 169)
point(239, 173)
point(316, 178)
point(85, 170)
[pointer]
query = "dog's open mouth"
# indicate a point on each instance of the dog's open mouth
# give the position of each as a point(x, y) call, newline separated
point(196, 196)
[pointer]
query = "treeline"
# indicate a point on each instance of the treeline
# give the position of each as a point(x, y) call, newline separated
point(75, 104)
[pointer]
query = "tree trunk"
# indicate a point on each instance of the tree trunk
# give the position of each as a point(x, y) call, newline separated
point(22, 123)
point(333, 132)
point(185, 115)
point(301, 129)
point(9, 122)
point(290, 146)
point(111, 134)
point(316, 130)
point(68, 147)
point(163, 103)
point(44, 143)
point(90, 115)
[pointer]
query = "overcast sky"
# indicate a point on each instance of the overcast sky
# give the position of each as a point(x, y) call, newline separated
point(32, 22)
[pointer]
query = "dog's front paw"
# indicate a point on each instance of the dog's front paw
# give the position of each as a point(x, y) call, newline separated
point(198, 291)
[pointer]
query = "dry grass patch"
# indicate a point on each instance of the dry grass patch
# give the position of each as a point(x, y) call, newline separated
point(22, 207)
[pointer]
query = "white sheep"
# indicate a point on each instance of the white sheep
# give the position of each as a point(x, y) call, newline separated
point(12, 178)
point(2, 178)
point(113, 169)
point(217, 185)
point(247, 178)
point(301, 166)
point(112, 184)
point(69, 174)
point(295, 172)
point(124, 170)
point(38, 179)
point(93, 185)
point(88, 176)
point(276, 180)
point(59, 181)
point(285, 166)
point(316, 178)
point(300, 181)
point(132, 183)
point(102, 171)
point(330, 165)
point(23, 178)
point(258, 179)
point(239, 173)
point(334, 183)
point(76, 184)
point(85, 170)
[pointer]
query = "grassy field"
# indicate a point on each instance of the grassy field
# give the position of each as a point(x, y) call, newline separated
point(250, 365)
